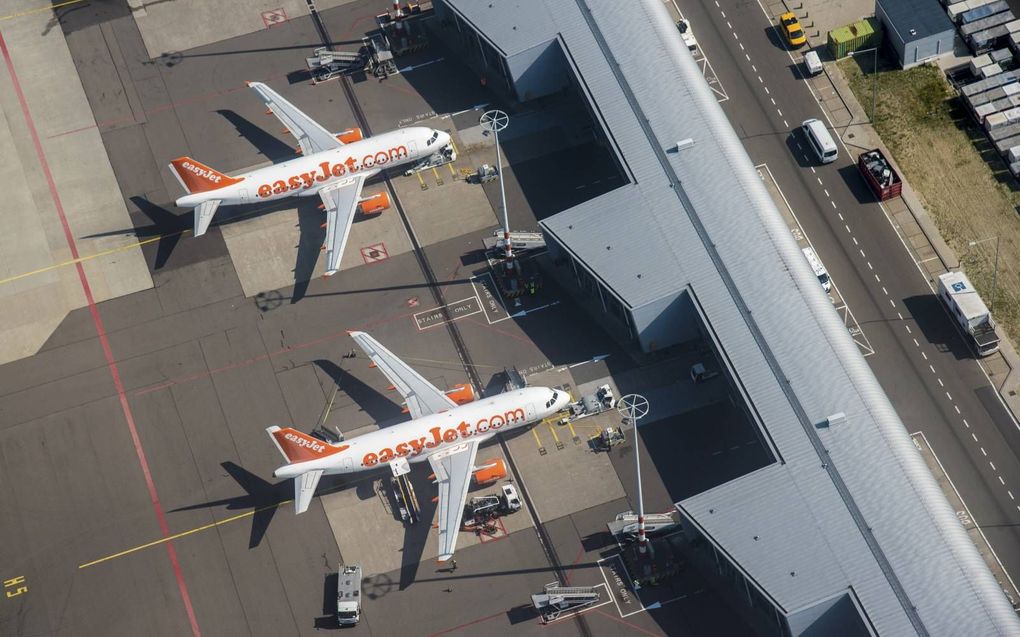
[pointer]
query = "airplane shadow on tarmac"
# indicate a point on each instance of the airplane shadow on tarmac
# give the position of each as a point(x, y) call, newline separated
point(263, 497)
point(378, 406)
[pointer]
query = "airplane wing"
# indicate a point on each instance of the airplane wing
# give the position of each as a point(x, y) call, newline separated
point(304, 489)
point(422, 397)
point(312, 137)
point(341, 202)
point(453, 467)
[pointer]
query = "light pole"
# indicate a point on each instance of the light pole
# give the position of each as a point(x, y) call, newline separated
point(874, 84)
point(995, 270)
point(634, 407)
point(495, 121)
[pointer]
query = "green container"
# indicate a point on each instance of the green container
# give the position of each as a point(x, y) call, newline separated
point(860, 35)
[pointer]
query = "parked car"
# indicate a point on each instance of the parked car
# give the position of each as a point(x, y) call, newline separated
point(686, 34)
point(792, 31)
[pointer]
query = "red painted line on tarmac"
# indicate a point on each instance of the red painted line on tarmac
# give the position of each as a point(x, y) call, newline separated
point(568, 572)
point(471, 623)
point(104, 341)
point(625, 623)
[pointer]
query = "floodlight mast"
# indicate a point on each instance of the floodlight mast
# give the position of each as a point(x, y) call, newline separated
point(495, 121)
point(634, 407)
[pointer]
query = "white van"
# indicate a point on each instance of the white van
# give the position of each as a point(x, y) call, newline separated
point(812, 63)
point(820, 140)
point(818, 268)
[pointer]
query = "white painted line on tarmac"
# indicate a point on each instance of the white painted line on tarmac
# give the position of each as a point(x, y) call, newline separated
point(1001, 481)
point(992, 465)
point(826, 191)
point(967, 509)
point(949, 397)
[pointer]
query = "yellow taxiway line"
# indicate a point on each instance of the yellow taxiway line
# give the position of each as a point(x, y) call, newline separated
point(104, 253)
point(48, 7)
point(175, 536)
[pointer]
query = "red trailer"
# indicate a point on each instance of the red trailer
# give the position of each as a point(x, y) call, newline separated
point(880, 174)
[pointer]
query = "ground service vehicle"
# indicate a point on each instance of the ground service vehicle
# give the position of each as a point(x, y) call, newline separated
point(879, 174)
point(969, 311)
point(348, 595)
point(625, 526)
point(792, 32)
point(484, 508)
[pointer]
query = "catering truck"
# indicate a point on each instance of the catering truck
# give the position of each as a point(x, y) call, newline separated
point(348, 595)
point(969, 311)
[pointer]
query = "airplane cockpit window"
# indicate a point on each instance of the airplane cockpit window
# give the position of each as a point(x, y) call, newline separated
point(551, 401)
point(432, 140)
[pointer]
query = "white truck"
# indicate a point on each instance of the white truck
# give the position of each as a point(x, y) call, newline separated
point(348, 595)
point(969, 311)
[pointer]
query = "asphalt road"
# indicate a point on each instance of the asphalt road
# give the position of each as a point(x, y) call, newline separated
point(920, 359)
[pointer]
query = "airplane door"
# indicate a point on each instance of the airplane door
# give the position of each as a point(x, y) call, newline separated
point(348, 465)
point(531, 412)
point(412, 148)
point(243, 193)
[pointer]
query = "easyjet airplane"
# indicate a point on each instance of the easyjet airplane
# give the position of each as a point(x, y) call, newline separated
point(445, 429)
point(332, 166)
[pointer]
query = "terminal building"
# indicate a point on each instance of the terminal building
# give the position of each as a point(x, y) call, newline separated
point(844, 531)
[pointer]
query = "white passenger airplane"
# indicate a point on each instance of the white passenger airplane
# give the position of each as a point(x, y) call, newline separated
point(333, 166)
point(440, 431)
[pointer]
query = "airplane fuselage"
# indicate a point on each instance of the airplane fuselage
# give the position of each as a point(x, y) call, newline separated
point(417, 439)
point(305, 176)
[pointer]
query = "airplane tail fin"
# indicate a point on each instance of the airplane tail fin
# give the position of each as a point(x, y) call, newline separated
point(298, 447)
point(197, 177)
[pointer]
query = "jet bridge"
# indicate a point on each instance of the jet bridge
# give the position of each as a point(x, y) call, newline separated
point(558, 599)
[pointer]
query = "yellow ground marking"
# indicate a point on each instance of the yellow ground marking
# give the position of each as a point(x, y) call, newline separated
point(535, 434)
point(456, 152)
point(420, 180)
point(104, 253)
point(182, 534)
point(435, 172)
point(48, 7)
point(570, 426)
point(552, 430)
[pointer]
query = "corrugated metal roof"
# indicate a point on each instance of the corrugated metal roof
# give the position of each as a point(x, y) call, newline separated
point(854, 504)
point(925, 17)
